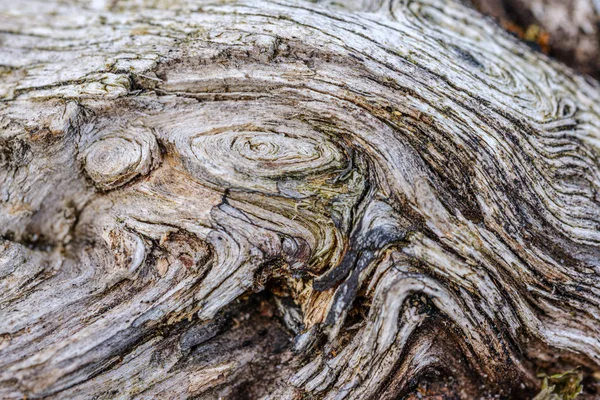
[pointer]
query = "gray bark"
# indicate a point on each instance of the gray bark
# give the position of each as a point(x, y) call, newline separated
point(282, 200)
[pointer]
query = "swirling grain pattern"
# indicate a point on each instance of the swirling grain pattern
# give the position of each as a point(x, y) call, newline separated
point(407, 187)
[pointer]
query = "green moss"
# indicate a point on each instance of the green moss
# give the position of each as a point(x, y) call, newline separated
point(565, 386)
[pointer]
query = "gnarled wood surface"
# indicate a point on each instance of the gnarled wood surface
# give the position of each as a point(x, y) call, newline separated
point(405, 188)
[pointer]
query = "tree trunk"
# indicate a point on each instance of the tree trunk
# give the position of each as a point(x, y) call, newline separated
point(288, 200)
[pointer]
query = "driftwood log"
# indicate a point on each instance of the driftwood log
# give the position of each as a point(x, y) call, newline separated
point(291, 200)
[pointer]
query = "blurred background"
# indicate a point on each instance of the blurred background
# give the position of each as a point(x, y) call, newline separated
point(567, 30)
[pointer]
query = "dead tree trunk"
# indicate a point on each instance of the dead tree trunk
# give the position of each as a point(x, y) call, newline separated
point(284, 200)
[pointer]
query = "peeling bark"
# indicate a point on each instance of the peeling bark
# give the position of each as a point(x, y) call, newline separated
point(287, 200)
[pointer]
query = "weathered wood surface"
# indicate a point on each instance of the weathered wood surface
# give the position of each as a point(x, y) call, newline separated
point(407, 188)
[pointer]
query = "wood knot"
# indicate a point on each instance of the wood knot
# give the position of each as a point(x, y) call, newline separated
point(115, 159)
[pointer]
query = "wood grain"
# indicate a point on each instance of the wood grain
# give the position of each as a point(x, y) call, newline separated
point(290, 200)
